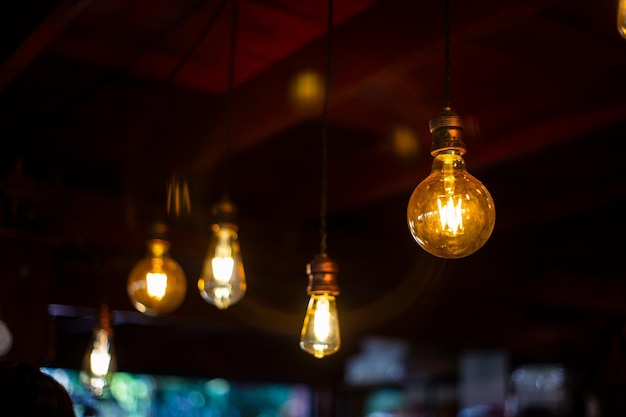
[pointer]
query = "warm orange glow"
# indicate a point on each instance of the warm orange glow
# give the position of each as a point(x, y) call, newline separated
point(404, 141)
point(223, 281)
point(451, 214)
point(306, 90)
point(320, 332)
point(157, 284)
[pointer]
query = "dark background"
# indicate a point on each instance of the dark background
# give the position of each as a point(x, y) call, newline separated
point(102, 102)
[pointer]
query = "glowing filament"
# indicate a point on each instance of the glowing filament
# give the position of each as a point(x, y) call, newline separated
point(223, 262)
point(321, 321)
point(100, 358)
point(157, 284)
point(451, 215)
point(320, 332)
point(223, 268)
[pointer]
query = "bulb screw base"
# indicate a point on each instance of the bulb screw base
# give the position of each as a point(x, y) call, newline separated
point(224, 211)
point(447, 131)
point(322, 273)
point(158, 231)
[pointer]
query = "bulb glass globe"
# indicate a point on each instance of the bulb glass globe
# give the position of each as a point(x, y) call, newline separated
point(223, 281)
point(157, 284)
point(320, 334)
point(99, 362)
point(451, 214)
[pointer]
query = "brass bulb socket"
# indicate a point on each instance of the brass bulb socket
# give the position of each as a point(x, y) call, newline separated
point(447, 131)
point(224, 211)
point(158, 231)
point(322, 273)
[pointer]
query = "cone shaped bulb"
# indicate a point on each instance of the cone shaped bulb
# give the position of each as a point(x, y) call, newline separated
point(223, 281)
point(320, 334)
point(99, 362)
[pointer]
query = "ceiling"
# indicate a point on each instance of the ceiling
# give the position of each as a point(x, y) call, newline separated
point(102, 102)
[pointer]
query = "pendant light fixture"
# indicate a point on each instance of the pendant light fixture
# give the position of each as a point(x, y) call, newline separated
point(450, 214)
point(157, 284)
point(320, 335)
point(99, 362)
point(223, 281)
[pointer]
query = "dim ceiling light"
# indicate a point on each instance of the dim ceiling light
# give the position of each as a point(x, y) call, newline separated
point(223, 280)
point(157, 284)
point(99, 362)
point(450, 214)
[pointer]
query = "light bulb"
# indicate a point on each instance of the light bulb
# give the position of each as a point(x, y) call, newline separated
point(99, 362)
point(621, 18)
point(320, 332)
point(157, 284)
point(320, 335)
point(450, 214)
point(223, 280)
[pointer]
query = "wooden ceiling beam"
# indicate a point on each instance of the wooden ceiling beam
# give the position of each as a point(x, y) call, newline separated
point(262, 107)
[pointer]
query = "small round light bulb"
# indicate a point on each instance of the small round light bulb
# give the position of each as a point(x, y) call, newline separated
point(157, 284)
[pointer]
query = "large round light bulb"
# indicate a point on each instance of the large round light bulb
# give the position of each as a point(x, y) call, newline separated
point(157, 284)
point(451, 214)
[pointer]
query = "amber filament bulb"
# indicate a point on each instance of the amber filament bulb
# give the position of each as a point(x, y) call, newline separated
point(99, 362)
point(320, 334)
point(451, 214)
point(223, 281)
point(157, 284)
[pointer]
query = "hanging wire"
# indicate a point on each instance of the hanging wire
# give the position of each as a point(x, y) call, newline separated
point(229, 99)
point(446, 14)
point(196, 43)
point(88, 94)
point(177, 187)
point(324, 203)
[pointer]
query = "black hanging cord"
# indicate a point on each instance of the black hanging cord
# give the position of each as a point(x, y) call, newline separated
point(323, 205)
point(446, 13)
point(231, 69)
point(229, 99)
point(196, 43)
point(112, 76)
